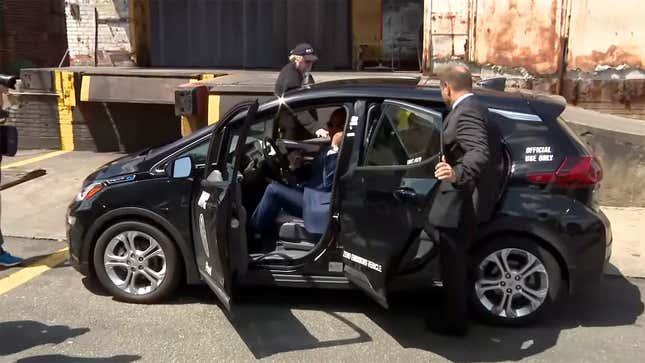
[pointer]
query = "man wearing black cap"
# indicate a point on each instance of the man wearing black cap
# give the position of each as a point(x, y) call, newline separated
point(295, 75)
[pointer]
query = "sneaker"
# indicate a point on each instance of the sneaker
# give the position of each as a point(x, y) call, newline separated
point(7, 260)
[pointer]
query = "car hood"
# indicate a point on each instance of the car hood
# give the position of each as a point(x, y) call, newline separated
point(129, 164)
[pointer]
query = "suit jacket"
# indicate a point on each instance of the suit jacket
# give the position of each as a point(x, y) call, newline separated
point(472, 146)
point(317, 192)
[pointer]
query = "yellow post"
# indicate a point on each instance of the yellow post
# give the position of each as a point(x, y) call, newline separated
point(213, 108)
point(64, 83)
point(85, 88)
point(140, 31)
point(189, 124)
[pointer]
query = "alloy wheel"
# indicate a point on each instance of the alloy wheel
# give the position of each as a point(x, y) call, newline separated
point(511, 283)
point(135, 262)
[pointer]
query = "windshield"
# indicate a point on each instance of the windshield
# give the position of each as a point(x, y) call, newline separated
point(236, 110)
point(152, 152)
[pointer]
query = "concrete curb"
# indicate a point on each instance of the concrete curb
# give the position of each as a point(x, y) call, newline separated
point(619, 144)
point(36, 238)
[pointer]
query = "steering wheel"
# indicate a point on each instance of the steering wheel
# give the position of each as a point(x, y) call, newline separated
point(279, 160)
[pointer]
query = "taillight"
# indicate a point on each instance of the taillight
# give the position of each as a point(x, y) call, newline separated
point(574, 172)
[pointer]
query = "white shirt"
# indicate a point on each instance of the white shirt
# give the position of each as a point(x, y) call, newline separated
point(463, 97)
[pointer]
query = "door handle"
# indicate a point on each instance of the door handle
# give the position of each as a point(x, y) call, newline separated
point(405, 194)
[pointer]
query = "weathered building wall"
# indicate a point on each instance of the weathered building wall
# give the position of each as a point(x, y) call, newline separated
point(590, 51)
point(606, 33)
point(450, 24)
point(531, 34)
point(606, 58)
point(32, 34)
point(519, 33)
point(100, 25)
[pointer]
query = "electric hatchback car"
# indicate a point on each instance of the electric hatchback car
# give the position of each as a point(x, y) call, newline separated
point(179, 213)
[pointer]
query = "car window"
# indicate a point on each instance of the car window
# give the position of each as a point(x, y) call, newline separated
point(257, 131)
point(197, 153)
point(319, 116)
point(403, 136)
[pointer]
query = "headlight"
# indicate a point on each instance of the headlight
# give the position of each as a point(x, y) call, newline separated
point(90, 191)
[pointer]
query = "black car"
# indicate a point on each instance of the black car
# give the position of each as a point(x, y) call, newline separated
point(146, 222)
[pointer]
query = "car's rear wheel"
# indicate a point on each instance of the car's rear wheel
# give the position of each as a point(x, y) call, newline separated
point(515, 281)
point(136, 262)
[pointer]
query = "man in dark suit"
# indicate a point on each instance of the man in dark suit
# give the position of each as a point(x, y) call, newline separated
point(466, 195)
point(311, 201)
point(294, 75)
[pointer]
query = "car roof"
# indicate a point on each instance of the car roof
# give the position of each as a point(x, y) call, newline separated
point(405, 88)
point(529, 102)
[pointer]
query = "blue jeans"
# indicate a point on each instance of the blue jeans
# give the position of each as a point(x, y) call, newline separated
point(276, 197)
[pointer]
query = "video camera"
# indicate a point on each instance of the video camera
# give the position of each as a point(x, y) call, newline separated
point(8, 81)
point(8, 134)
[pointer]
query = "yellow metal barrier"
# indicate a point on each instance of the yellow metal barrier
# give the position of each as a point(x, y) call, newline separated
point(64, 83)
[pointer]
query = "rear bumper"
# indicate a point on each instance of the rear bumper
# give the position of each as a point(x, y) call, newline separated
point(591, 256)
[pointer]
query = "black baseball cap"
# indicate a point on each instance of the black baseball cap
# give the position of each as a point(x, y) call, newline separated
point(304, 50)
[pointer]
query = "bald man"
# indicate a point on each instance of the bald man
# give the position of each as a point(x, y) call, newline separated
point(469, 165)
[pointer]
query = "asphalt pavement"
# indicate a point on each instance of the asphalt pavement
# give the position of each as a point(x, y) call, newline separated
point(61, 317)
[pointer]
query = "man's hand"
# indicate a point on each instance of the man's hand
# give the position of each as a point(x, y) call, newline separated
point(322, 133)
point(443, 171)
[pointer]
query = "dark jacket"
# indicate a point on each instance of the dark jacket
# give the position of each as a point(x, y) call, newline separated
point(290, 78)
point(317, 192)
point(291, 127)
point(472, 146)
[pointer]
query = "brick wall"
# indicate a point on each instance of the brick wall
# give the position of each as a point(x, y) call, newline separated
point(36, 118)
point(32, 34)
point(113, 41)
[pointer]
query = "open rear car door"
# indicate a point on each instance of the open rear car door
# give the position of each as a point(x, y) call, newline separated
point(385, 193)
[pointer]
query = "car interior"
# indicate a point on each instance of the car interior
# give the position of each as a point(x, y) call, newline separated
point(267, 158)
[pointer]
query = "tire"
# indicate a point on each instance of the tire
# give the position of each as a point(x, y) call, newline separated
point(488, 287)
point(116, 240)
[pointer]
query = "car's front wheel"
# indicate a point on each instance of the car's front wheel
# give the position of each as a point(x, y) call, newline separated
point(515, 280)
point(136, 262)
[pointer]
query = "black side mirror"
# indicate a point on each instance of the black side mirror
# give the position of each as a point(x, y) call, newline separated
point(181, 168)
point(8, 140)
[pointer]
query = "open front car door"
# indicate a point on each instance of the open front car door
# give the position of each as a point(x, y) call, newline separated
point(217, 215)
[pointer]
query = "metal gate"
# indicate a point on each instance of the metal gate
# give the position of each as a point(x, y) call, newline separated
point(248, 33)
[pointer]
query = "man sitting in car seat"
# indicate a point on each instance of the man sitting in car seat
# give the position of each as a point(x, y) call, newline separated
point(311, 201)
